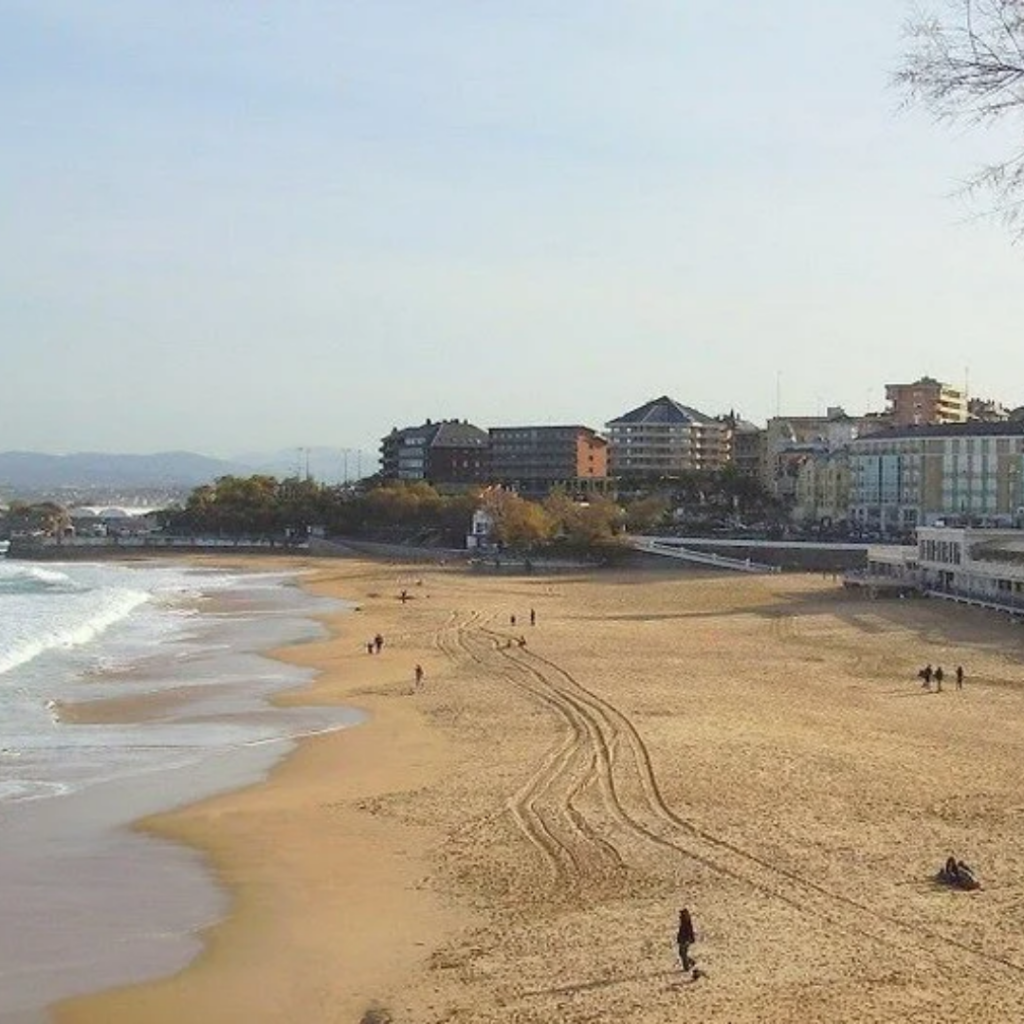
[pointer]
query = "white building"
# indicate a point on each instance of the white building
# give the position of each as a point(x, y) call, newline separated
point(977, 566)
point(481, 532)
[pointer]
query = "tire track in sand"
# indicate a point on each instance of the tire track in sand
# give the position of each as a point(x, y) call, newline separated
point(571, 848)
point(618, 761)
point(655, 821)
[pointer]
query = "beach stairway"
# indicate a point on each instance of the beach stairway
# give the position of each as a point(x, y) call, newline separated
point(670, 549)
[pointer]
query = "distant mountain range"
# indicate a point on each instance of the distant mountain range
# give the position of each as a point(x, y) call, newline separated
point(36, 472)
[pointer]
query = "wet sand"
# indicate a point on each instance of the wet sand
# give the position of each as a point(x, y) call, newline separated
point(514, 841)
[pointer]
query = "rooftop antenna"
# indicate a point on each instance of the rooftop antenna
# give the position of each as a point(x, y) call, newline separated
point(778, 393)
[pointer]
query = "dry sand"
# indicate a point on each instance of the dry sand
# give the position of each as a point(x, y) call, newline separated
point(513, 842)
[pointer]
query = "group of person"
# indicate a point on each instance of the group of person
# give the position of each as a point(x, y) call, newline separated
point(928, 675)
point(958, 874)
point(533, 618)
point(375, 645)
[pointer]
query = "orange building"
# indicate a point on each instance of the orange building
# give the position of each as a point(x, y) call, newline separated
point(926, 401)
point(533, 460)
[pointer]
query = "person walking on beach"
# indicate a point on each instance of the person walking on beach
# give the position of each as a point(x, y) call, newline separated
point(512, 620)
point(378, 642)
point(369, 647)
point(959, 677)
point(939, 676)
point(926, 676)
point(685, 937)
point(418, 672)
point(533, 617)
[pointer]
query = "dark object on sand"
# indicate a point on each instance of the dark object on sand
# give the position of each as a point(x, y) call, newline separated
point(957, 874)
point(685, 937)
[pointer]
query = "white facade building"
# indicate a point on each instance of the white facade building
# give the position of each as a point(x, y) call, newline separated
point(980, 566)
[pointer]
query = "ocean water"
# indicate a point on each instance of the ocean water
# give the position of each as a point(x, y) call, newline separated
point(173, 655)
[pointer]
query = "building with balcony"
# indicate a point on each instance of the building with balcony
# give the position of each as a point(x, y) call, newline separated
point(535, 460)
point(663, 437)
point(926, 401)
point(964, 473)
point(746, 444)
point(441, 452)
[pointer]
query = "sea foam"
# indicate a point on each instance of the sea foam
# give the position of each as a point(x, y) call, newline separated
point(34, 622)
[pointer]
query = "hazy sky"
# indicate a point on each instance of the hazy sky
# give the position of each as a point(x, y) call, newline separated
point(248, 225)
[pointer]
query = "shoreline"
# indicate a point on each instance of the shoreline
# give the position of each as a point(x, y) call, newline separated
point(232, 854)
point(168, 708)
point(514, 842)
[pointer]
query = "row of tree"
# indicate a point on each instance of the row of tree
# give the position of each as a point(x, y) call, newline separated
point(393, 511)
point(263, 506)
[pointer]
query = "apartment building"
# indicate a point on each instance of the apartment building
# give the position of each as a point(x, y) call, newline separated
point(969, 473)
point(823, 488)
point(441, 452)
point(746, 442)
point(664, 437)
point(533, 460)
point(926, 401)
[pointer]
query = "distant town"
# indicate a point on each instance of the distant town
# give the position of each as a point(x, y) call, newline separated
point(933, 456)
point(924, 496)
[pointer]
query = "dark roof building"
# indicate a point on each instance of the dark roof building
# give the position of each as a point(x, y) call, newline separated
point(442, 452)
point(663, 436)
point(973, 428)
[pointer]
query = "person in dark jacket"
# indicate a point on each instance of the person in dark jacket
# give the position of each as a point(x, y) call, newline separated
point(685, 937)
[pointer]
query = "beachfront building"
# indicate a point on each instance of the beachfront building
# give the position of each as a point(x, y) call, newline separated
point(533, 461)
point(441, 452)
point(977, 566)
point(926, 401)
point(664, 438)
point(481, 534)
point(980, 567)
point(943, 474)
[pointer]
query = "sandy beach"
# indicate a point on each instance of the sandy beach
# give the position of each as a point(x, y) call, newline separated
point(513, 841)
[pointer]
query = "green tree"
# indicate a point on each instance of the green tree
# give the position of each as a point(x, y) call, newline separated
point(45, 516)
point(646, 514)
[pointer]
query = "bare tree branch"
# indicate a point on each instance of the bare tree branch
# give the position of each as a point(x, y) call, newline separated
point(969, 67)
